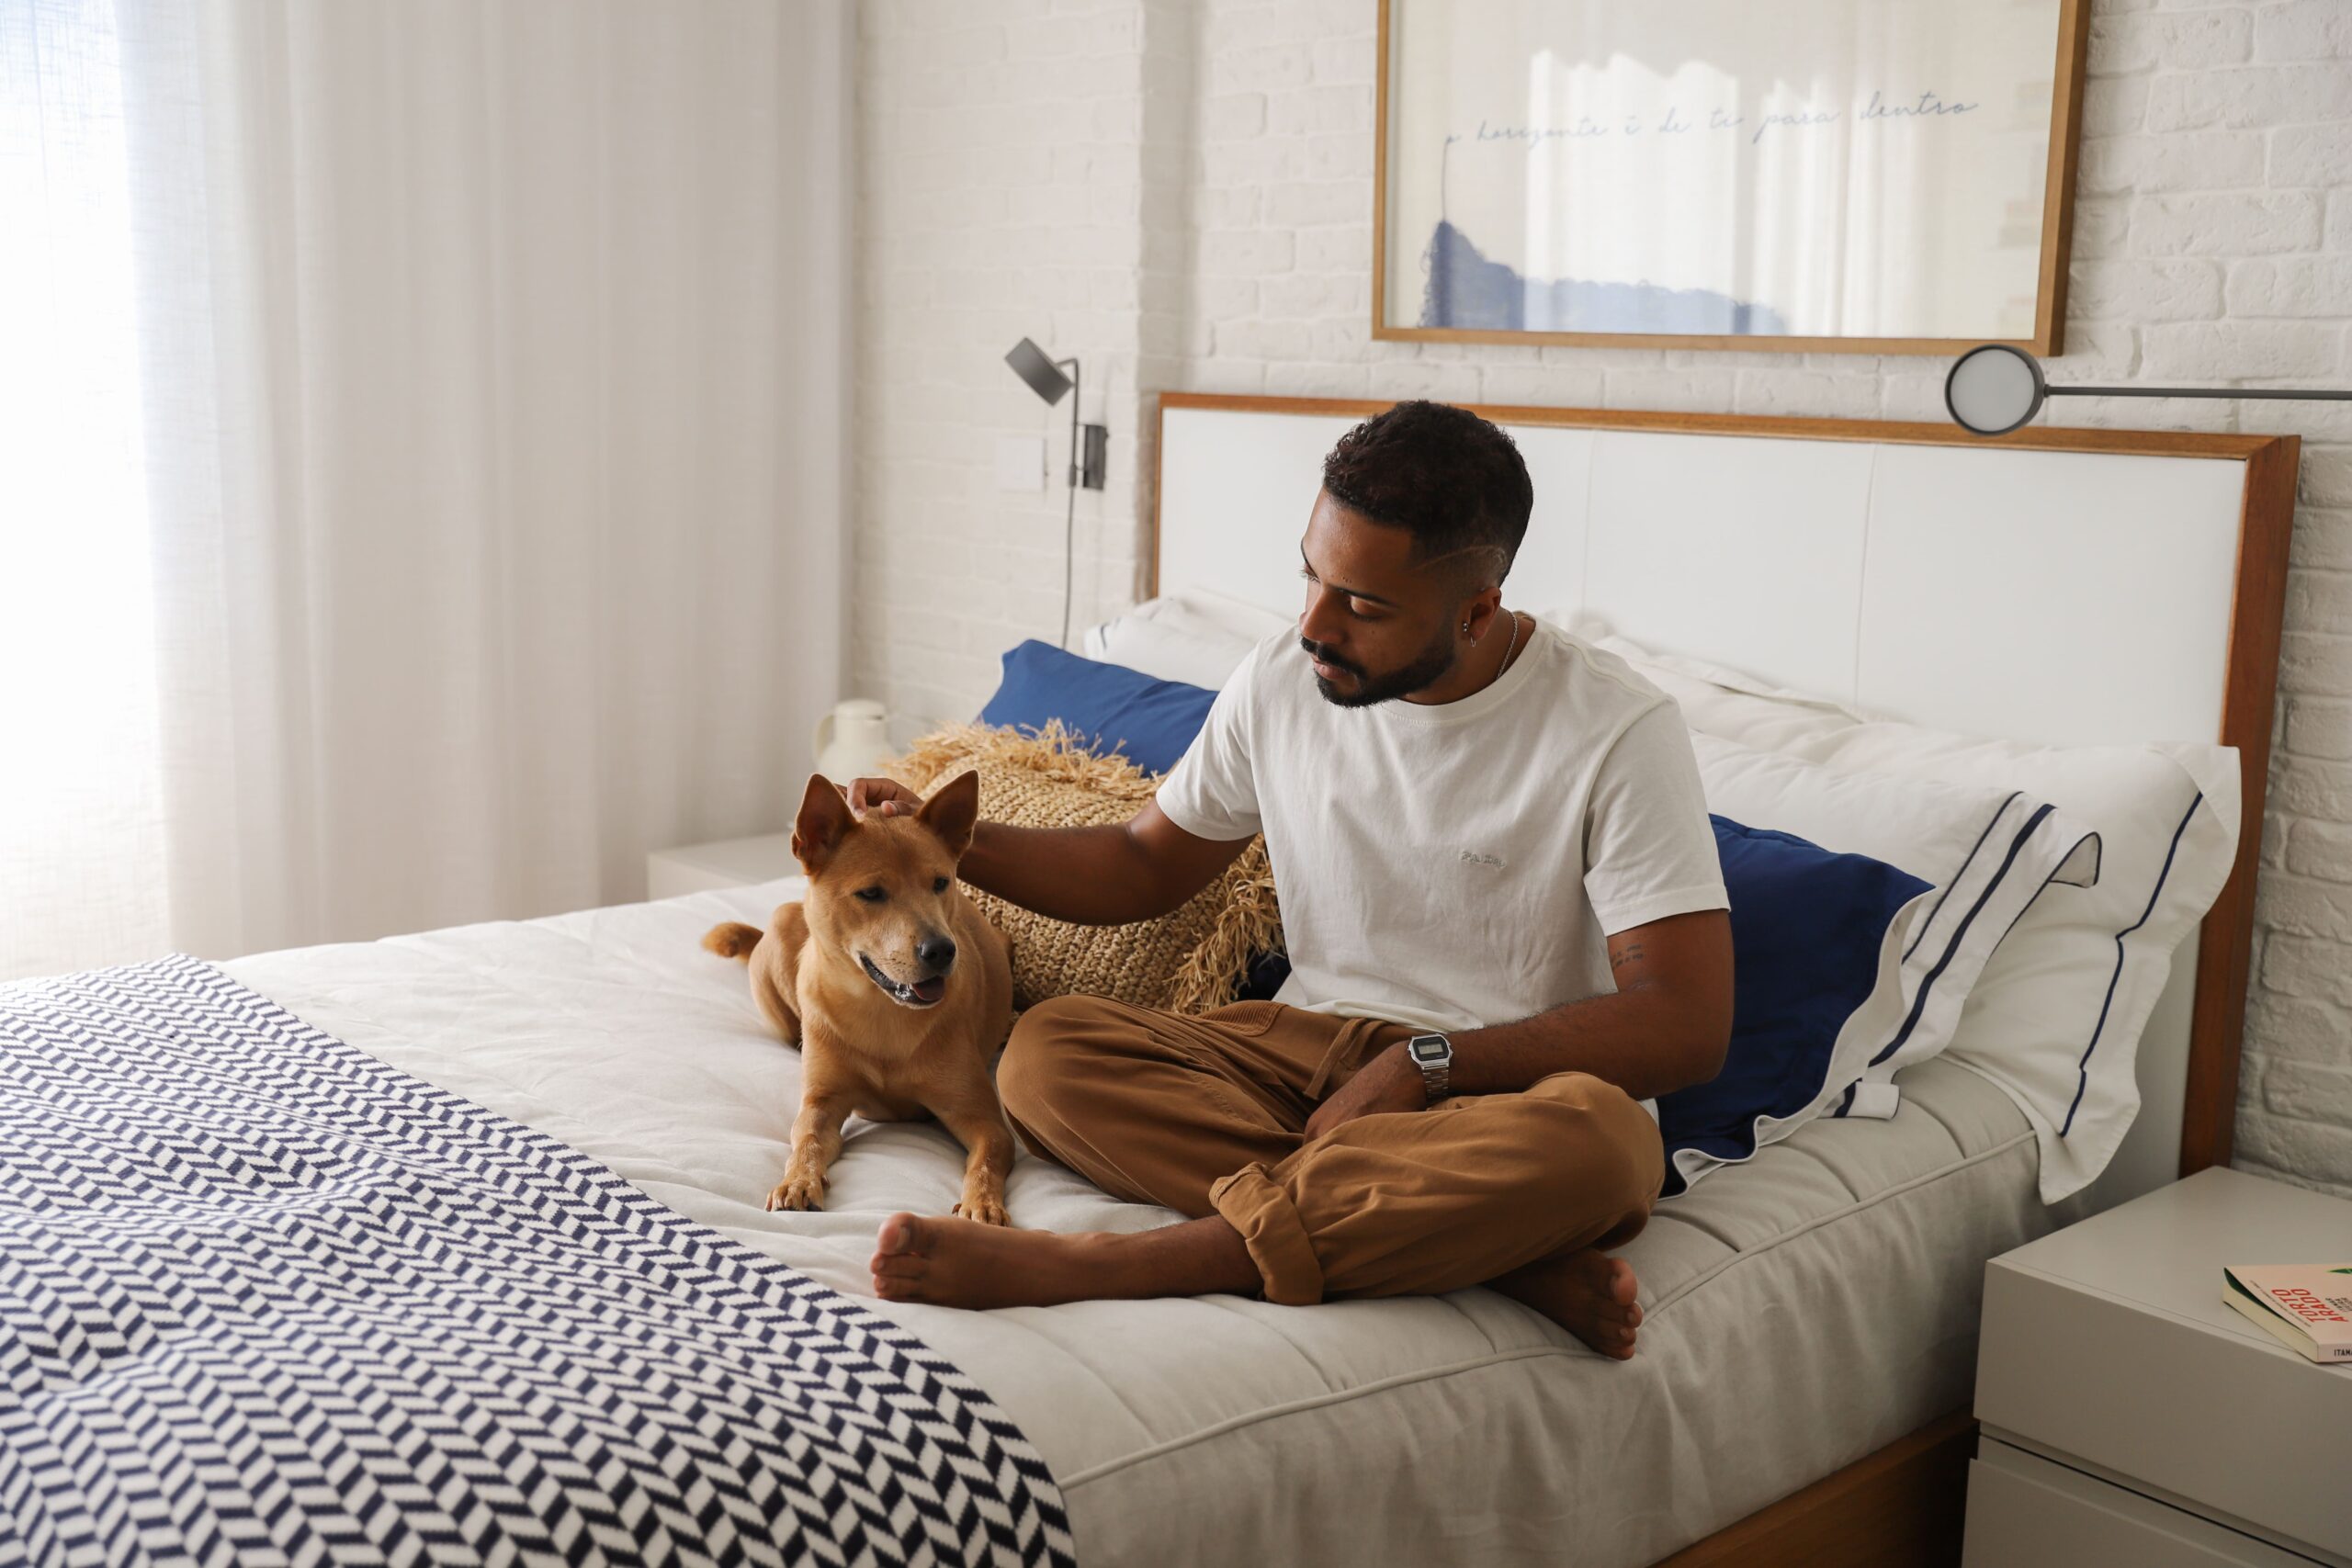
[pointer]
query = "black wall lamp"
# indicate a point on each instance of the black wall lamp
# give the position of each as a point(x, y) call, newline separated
point(1087, 442)
point(1994, 389)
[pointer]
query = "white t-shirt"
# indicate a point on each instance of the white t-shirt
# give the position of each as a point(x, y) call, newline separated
point(1456, 864)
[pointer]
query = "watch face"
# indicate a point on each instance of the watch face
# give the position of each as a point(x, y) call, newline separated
point(1426, 1049)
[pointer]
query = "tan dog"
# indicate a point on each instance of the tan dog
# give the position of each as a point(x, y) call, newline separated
point(896, 989)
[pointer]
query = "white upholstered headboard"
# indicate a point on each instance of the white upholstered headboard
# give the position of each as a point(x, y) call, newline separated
point(2060, 585)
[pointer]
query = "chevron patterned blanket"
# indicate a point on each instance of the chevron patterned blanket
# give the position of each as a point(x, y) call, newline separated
point(265, 1300)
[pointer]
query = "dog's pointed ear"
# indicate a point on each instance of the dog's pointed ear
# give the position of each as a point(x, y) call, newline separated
point(951, 811)
point(824, 821)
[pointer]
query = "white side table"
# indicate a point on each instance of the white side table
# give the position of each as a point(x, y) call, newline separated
point(2130, 1416)
point(729, 862)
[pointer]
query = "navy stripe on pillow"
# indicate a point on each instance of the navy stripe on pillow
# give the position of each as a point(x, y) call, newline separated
point(1951, 945)
point(1929, 924)
point(2082, 1067)
point(1846, 1101)
point(2046, 840)
point(1919, 1002)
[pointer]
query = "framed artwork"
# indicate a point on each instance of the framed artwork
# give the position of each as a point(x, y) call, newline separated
point(1865, 176)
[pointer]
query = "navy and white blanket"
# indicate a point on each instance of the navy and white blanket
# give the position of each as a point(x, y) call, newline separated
point(265, 1300)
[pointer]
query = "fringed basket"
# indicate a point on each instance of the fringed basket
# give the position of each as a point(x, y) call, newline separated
point(1189, 961)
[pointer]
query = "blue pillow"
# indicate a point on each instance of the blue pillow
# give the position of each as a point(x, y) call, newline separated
point(1806, 928)
point(1112, 708)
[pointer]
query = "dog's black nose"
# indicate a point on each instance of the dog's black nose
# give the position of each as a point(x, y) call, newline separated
point(936, 953)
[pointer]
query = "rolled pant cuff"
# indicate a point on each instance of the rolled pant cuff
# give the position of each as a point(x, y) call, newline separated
point(1253, 1204)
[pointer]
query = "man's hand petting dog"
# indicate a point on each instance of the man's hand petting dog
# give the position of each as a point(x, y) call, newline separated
point(881, 798)
point(1388, 1082)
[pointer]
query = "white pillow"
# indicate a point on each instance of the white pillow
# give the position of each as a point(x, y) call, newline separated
point(2055, 1018)
point(1202, 608)
point(1595, 629)
point(1928, 826)
point(1165, 652)
point(1988, 854)
point(1198, 637)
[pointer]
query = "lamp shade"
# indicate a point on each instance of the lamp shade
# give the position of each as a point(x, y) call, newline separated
point(1044, 378)
point(1994, 389)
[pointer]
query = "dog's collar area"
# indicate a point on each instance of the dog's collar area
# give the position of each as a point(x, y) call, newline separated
point(905, 995)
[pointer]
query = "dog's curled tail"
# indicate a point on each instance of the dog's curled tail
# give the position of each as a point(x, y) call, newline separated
point(733, 940)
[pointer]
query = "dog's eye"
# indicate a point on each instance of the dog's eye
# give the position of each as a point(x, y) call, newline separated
point(939, 885)
point(871, 894)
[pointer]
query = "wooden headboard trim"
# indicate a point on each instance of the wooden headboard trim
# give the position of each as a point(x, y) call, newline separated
point(2249, 701)
point(2265, 522)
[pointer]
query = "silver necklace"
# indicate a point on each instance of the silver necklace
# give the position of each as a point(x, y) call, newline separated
point(1509, 646)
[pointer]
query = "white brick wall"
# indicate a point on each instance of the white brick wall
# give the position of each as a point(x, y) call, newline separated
point(1183, 193)
point(1007, 154)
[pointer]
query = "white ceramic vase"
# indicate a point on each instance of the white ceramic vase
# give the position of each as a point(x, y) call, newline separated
point(852, 740)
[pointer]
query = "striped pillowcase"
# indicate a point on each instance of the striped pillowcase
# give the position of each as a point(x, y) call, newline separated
point(2025, 846)
point(1985, 857)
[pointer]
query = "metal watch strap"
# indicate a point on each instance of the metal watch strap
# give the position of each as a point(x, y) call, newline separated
point(1435, 1076)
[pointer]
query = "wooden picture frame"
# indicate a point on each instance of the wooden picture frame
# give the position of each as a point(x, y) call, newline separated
point(2045, 336)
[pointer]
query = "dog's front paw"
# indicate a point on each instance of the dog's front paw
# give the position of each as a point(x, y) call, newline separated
point(798, 1189)
point(987, 1208)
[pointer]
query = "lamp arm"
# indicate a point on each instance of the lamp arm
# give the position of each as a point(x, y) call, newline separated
point(2297, 394)
point(1069, 505)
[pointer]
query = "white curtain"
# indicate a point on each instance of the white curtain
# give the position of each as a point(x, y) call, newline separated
point(422, 472)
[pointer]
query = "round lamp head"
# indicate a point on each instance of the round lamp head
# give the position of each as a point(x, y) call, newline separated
point(1994, 389)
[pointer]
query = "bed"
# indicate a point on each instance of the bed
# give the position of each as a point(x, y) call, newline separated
point(1812, 1315)
point(1297, 1425)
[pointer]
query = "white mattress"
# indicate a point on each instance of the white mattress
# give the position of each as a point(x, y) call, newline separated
point(1802, 1310)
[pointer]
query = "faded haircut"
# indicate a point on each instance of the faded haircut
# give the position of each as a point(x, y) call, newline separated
point(1453, 480)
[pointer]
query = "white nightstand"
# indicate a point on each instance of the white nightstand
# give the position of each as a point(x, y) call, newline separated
point(729, 862)
point(2131, 1417)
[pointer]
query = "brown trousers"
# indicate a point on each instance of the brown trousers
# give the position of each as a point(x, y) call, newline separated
point(1205, 1115)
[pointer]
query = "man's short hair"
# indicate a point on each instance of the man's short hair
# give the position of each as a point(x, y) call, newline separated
point(1453, 481)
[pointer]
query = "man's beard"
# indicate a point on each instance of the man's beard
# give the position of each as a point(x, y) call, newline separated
point(1432, 665)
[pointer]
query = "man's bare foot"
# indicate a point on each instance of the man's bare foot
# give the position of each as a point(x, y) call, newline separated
point(959, 1262)
point(954, 1262)
point(1589, 1293)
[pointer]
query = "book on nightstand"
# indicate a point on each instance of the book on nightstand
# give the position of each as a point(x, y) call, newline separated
point(2308, 1306)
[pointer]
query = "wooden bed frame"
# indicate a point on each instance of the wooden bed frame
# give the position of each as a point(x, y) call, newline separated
point(1904, 1503)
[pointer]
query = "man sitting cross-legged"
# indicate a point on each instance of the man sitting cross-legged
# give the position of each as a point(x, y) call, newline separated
point(1505, 920)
